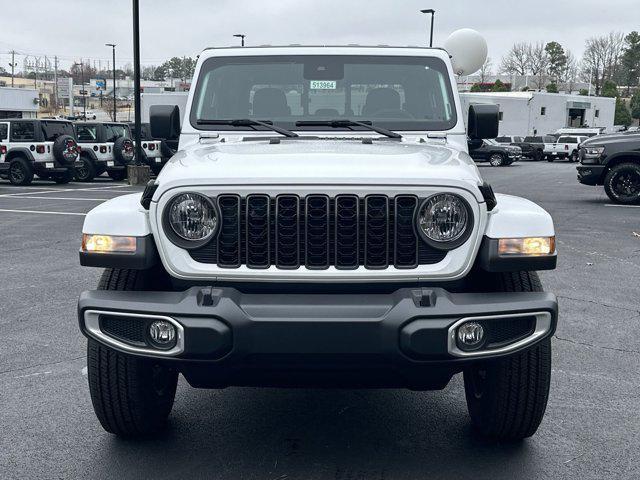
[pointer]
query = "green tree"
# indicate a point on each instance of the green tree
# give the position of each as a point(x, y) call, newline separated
point(552, 88)
point(557, 60)
point(609, 89)
point(623, 116)
point(584, 92)
point(498, 86)
point(635, 105)
point(630, 62)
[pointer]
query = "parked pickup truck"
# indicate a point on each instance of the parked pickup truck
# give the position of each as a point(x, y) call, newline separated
point(532, 147)
point(567, 146)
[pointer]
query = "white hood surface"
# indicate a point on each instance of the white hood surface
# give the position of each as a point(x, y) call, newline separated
point(320, 162)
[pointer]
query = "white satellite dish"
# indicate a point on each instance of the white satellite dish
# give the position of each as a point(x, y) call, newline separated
point(468, 51)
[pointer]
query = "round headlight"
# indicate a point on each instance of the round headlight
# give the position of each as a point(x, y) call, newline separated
point(444, 221)
point(193, 218)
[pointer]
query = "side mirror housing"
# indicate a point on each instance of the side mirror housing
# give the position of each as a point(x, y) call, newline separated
point(483, 121)
point(164, 121)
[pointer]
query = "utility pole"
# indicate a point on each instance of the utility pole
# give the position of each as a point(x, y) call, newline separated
point(13, 65)
point(55, 83)
point(82, 90)
point(113, 49)
point(136, 79)
point(432, 12)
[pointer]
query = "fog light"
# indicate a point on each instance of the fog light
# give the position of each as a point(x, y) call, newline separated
point(470, 336)
point(162, 334)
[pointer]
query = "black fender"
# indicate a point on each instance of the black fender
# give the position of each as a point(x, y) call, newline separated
point(621, 157)
point(89, 153)
point(19, 152)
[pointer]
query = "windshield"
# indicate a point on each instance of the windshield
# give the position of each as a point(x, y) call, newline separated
point(396, 93)
point(113, 132)
point(53, 130)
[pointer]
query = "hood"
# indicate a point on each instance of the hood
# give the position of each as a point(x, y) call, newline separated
point(320, 162)
point(611, 138)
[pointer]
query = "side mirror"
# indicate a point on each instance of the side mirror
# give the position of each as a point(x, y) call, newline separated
point(474, 143)
point(164, 121)
point(483, 121)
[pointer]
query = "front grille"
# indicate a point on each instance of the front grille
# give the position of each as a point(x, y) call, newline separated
point(316, 232)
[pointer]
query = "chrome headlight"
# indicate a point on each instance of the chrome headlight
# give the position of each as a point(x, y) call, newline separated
point(190, 220)
point(445, 221)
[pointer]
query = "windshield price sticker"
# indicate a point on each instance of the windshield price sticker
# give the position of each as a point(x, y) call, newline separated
point(323, 85)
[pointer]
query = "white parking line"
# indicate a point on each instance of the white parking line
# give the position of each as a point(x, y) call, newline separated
point(63, 198)
point(42, 212)
point(60, 190)
point(622, 206)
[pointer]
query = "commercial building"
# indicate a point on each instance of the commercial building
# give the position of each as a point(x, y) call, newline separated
point(538, 113)
point(18, 103)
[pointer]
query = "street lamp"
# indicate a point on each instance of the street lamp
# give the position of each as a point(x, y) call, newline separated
point(83, 92)
point(240, 36)
point(432, 13)
point(113, 48)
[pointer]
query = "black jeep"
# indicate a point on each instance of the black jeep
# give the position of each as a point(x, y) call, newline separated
point(496, 154)
point(612, 161)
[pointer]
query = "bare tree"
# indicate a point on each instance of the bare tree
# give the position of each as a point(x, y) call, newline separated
point(517, 60)
point(538, 63)
point(486, 70)
point(601, 58)
point(569, 75)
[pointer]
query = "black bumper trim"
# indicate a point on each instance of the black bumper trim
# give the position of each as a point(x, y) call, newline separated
point(317, 332)
point(591, 174)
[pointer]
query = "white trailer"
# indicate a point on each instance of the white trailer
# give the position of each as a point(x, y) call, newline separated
point(539, 113)
point(166, 98)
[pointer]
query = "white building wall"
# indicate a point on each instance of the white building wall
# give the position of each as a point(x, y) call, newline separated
point(522, 111)
point(22, 100)
point(166, 98)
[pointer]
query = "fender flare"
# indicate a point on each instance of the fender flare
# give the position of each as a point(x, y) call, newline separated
point(89, 153)
point(121, 216)
point(515, 217)
point(17, 152)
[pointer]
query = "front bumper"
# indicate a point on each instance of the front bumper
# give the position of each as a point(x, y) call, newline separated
point(591, 174)
point(401, 339)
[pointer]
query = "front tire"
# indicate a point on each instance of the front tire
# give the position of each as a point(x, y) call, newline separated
point(622, 183)
point(496, 160)
point(64, 178)
point(507, 397)
point(131, 396)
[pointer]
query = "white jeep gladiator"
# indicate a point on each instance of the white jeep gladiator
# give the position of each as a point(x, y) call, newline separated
point(321, 224)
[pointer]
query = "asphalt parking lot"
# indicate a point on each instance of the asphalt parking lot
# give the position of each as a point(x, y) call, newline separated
point(591, 429)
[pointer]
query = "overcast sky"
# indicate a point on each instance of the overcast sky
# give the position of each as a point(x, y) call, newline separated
point(74, 29)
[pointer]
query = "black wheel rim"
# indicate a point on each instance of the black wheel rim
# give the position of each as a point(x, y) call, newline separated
point(82, 171)
point(16, 173)
point(626, 185)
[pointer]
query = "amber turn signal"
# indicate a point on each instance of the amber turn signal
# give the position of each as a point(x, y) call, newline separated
point(527, 246)
point(108, 244)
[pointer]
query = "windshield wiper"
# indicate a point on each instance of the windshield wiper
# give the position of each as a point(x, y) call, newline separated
point(345, 123)
point(246, 122)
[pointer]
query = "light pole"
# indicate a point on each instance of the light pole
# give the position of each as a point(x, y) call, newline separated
point(432, 12)
point(82, 91)
point(136, 79)
point(113, 48)
point(241, 37)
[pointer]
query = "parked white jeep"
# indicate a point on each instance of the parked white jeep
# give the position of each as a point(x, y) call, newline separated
point(106, 147)
point(28, 147)
point(322, 224)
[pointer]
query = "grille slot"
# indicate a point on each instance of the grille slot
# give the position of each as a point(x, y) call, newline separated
point(376, 232)
point(287, 222)
point(317, 232)
point(258, 220)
